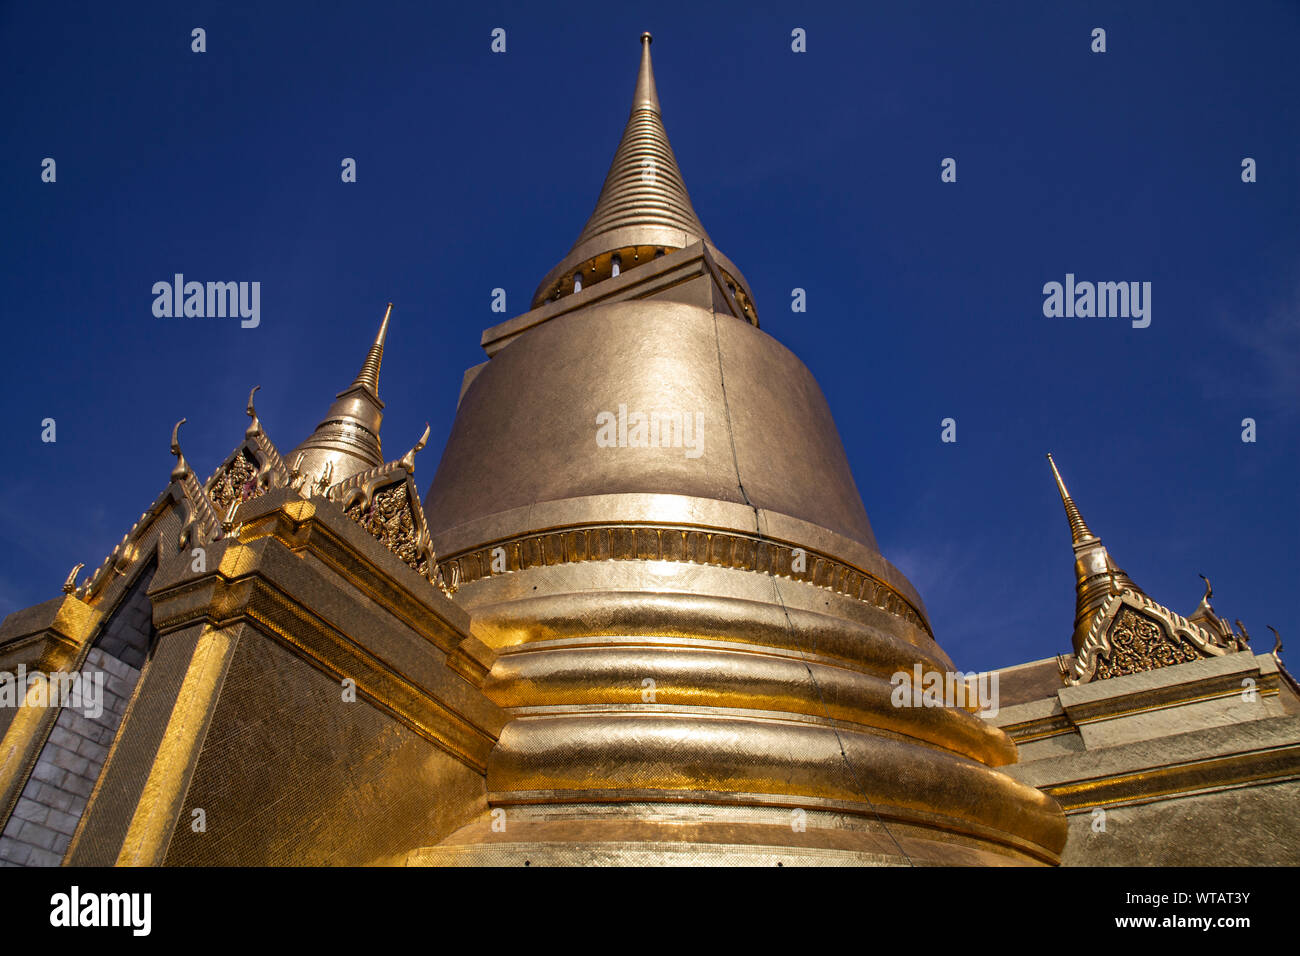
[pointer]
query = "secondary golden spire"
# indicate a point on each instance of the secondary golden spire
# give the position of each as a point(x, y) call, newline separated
point(1096, 576)
point(347, 440)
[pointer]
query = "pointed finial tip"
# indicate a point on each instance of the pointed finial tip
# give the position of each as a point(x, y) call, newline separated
point(646, 38)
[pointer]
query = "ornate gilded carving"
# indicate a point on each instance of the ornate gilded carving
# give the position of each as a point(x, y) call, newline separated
point(1131, 633)
point(1138, 643)
point(384, 502)
point(251, 469)
point(235, 482)
point(389, 518)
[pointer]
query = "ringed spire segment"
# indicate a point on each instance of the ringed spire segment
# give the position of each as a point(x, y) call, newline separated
point(643, 210)
point(368, 377)
point(1079, 531)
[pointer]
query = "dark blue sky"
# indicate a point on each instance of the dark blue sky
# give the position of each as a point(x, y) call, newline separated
point(816, 170)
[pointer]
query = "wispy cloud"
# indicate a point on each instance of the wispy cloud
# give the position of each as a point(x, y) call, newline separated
point(982, 619)
point(1272, 342)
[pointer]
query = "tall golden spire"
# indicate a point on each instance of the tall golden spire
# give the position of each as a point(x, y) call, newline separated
point(368, 377)
point(1096, 576)
point(643, 210)
point(643, 194)
point(347, 440)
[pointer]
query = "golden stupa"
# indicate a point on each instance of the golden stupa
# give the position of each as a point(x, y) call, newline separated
point(692, 648)
point(638, 617)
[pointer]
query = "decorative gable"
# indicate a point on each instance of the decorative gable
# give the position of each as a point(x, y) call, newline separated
point(394, 518)
point(1132, 634)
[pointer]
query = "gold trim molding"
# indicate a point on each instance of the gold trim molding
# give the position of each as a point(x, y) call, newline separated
point(1276, 764)
point(650, 542)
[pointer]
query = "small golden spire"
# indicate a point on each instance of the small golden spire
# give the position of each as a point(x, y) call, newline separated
point(1079, 532)
point(1096, 577)
point(368, 377)
point(348, 438)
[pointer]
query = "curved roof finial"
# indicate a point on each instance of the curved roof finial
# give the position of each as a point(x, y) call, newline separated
point(182, 468)
point(70, 583)
point(255, 426)
point(408, 460)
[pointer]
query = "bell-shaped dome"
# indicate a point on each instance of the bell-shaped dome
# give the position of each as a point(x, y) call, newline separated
point(652, 522)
